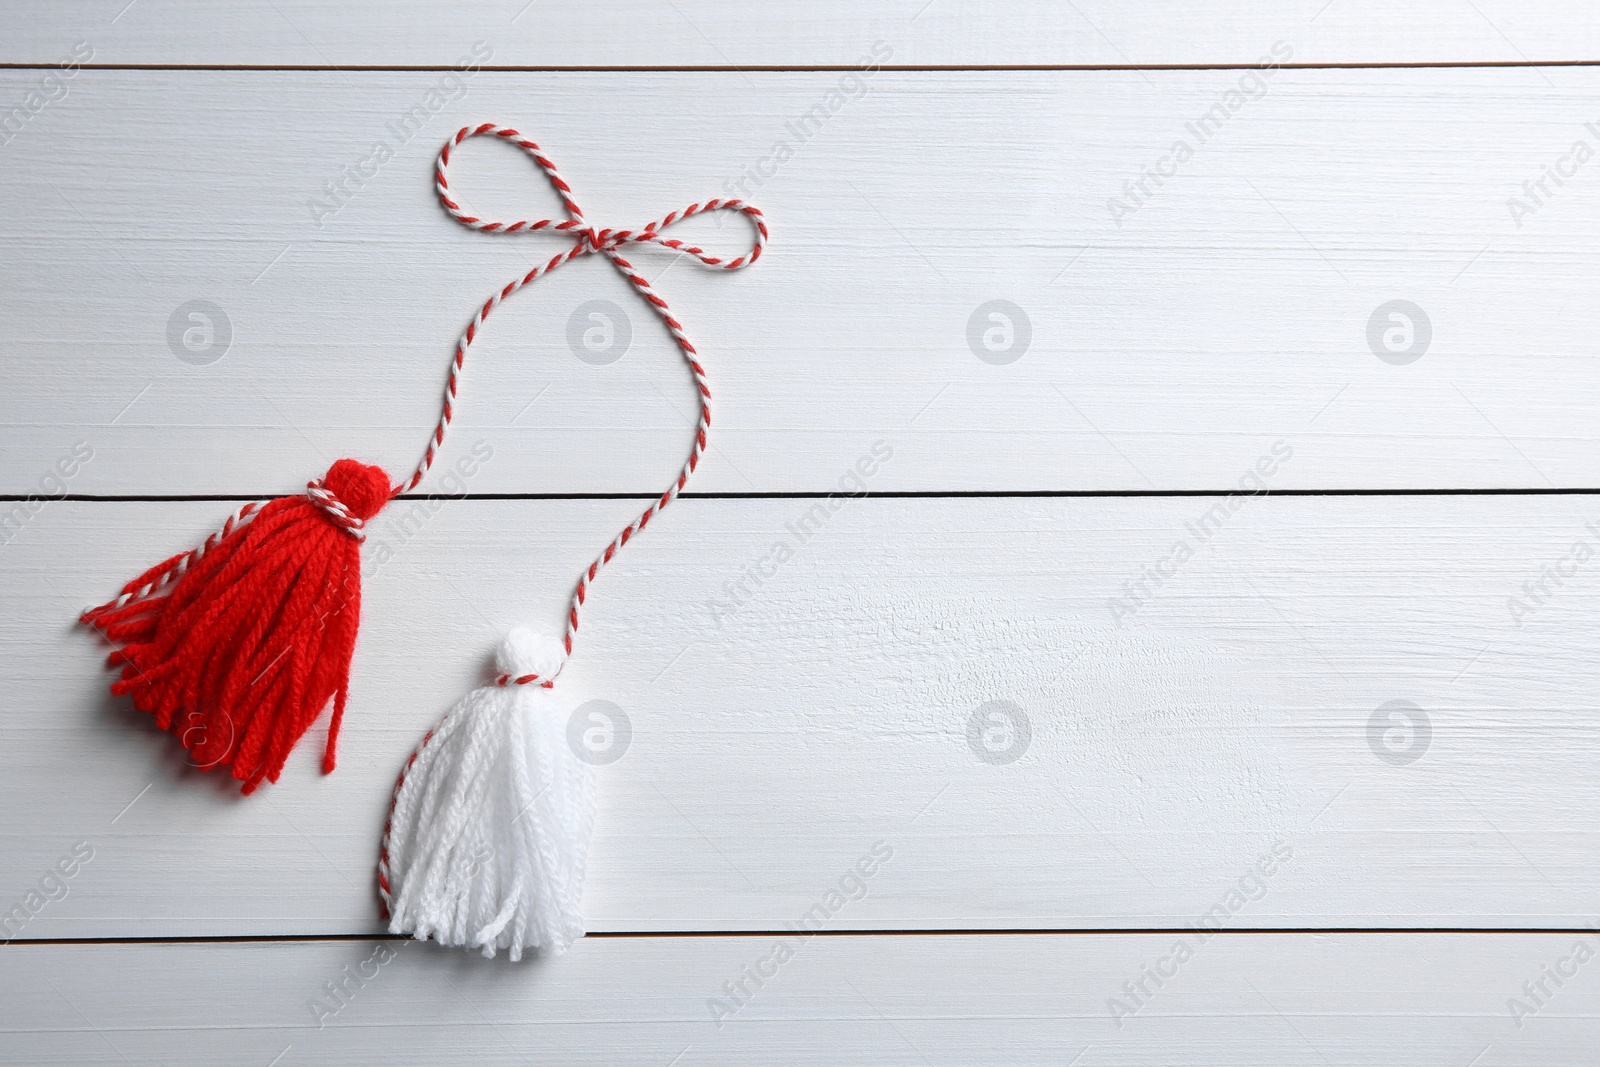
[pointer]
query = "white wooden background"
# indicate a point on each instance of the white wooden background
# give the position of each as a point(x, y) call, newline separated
point(1438, 863)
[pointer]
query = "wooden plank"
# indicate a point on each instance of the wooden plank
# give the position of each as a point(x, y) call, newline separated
point(789, 711)
point(1302, 999)
point(1233, 305)
point(722, 33)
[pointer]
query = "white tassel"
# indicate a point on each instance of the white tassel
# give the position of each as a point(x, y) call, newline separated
point(489, 833)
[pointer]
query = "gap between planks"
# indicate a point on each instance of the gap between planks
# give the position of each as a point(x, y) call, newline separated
point(900, 494)
point(621, 935)
point(790, 68)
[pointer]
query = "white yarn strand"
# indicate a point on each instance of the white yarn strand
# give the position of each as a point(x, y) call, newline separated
point(489, 834)
point(489, 828)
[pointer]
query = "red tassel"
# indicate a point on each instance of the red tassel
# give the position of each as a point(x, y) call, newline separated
point(238, 645)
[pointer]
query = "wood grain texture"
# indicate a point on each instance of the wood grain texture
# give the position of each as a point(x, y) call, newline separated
point(779, 731)
point(1232, 306)
point(1245, 712)
point(637, 33)
point(1266, 1000)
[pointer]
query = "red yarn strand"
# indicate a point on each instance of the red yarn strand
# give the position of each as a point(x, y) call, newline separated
point(239, 646)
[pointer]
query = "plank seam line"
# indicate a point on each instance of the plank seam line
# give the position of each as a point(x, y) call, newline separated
point(1154, 931)
point(907, 494)
point(800, 68)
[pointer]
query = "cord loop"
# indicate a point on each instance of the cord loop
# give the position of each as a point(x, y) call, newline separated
point(588, 240)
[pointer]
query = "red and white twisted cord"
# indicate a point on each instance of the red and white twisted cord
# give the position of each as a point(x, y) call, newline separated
point(331, 506)
point(589, 242)
point(385, 889)
point(316, 492)
point(179, 566)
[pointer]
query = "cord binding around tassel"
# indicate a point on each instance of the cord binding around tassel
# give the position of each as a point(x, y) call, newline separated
point(236, 646)
point(488, 832)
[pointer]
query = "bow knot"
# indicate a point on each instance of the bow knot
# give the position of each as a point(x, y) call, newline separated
point(591, 239)
point(588, 240)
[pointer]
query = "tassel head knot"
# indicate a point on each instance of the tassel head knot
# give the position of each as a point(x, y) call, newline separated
point(238, 645)
point(361, 488)
point(525, 656)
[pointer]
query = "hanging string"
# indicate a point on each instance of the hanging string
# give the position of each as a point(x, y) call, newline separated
point(517, 912)
point(590, 241)
point(239, 644)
